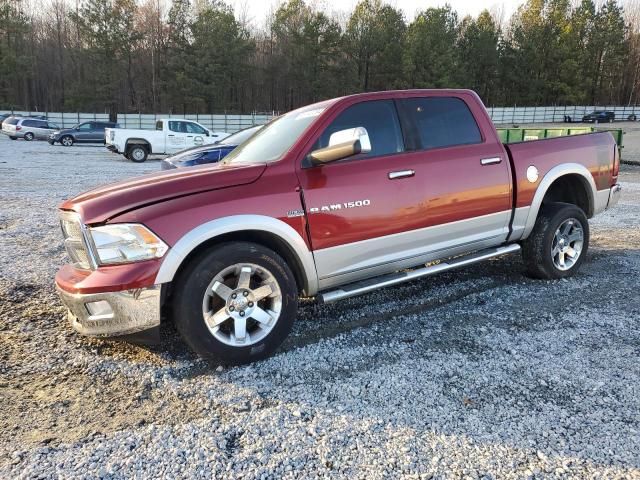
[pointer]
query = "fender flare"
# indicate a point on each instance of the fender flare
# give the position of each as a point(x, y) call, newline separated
point(546, 182)
point(136, 141)
point(238, 223)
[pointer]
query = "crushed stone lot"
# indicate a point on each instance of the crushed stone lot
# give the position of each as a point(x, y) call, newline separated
point(478, 373)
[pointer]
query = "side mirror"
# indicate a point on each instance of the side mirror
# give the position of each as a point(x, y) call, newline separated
point(208, 134)
point(343, 144)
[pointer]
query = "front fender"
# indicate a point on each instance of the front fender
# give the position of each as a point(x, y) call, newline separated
point(238, 223)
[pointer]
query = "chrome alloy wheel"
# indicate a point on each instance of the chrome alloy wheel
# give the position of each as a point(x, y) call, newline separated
point(242, 304)
point(67, 141)
point(567, 244)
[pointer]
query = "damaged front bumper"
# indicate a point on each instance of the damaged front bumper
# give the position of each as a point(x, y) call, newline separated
point(109, 314)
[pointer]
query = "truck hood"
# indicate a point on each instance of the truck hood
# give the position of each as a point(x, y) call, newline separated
point(103, 203)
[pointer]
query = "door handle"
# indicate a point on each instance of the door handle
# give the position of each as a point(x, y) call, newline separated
point(401, 174)
point(490, 161)
point(170, 135)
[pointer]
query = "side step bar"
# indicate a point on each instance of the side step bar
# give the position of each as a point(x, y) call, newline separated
point(365, 286)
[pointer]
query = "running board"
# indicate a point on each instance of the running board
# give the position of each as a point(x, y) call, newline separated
point(365, 286)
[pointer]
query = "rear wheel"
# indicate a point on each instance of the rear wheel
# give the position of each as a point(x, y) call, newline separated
point(235, 303)
point(558, 243)
point(67, 140)
point(13, 138)
point(28, 136)
point(137, 153)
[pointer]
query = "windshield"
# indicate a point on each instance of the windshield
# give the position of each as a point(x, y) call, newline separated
point(239, 137)
point(277, 137)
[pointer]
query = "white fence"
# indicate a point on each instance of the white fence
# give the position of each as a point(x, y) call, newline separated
point(524, 115)
point(65, 120)
point(224, 123)
point(233, 123)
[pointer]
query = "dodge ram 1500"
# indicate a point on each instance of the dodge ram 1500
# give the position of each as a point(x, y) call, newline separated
point(332, 200)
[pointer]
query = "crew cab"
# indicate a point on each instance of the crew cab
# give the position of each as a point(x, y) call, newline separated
point(170, 136)
point(332, 200)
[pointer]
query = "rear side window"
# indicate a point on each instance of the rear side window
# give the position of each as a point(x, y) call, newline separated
point(442, 121)
point(378, 117)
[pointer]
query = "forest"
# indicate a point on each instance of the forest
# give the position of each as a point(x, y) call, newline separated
point(179, 56)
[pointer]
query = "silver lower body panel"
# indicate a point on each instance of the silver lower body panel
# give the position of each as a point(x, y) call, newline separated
point(115, 313)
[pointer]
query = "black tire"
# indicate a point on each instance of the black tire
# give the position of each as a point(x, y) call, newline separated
point(537, 248)
point(137, 153)
point(189, 295)
point(67, 141)
point(28, 136)
point(13, 138)
point(632, 117)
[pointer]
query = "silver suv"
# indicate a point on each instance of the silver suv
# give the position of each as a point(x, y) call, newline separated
point(28, 128)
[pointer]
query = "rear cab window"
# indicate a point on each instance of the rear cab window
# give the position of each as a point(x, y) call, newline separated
point(440, 122)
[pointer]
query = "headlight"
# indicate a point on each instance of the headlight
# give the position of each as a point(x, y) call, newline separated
point(126, 243)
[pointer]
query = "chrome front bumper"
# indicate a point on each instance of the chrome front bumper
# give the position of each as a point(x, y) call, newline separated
point(111, 314)
point(614, 195)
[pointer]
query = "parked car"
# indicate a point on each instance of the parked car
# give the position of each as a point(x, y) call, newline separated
point(86, 132)
point(209, 153)
point(28, 128)
point(331, 200)
point(170, 136)
point(6, 117)
point(600, 117)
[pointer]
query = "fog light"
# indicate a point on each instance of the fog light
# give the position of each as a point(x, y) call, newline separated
point(99, 309)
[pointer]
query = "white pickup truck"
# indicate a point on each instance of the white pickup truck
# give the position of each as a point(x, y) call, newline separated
point(170, 136)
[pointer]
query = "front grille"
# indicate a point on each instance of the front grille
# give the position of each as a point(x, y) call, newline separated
point(74, 241)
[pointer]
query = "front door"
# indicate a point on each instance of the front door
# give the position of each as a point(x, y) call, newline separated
point(405, 202)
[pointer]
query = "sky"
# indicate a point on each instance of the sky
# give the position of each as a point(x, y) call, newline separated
point(257, 10)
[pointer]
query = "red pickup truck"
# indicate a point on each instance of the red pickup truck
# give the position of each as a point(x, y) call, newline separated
point(331, 200)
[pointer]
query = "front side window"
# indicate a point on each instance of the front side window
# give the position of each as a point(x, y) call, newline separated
point(378, 117)
point(195, 128)
point(85, 127)
point(442, 121)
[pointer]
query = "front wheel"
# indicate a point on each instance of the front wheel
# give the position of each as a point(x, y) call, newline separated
point(67, 141)
point(558, 243)
point(235, 303)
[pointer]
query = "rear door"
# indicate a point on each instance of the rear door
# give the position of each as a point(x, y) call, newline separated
point(97, 132)
point(464, 172)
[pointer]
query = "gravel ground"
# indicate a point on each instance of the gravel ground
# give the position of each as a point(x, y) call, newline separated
point(479, 373)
